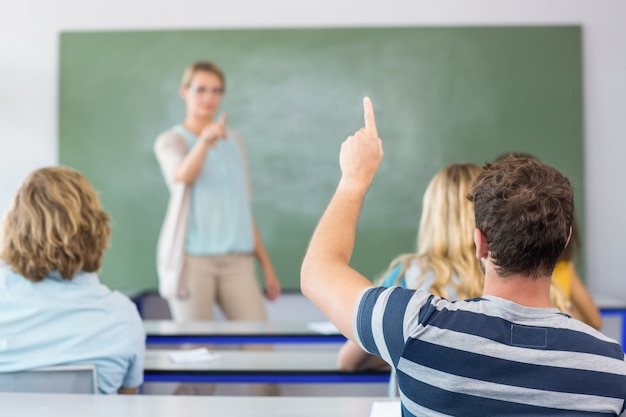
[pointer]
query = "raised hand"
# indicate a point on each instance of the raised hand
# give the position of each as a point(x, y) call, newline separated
point(214, 131)
point(362, 152)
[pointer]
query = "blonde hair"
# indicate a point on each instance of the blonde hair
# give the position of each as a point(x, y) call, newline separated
point(201, 66)
point(445, 242)
point(55, 224)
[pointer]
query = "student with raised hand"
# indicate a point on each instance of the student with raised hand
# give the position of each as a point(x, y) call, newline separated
point(53, 308)
point(508, 352)
point(445, 263)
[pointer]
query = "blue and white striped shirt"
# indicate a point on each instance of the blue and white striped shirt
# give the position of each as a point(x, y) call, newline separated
point(490, 357)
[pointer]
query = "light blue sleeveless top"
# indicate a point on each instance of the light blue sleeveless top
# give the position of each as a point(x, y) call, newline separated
point(220, 218)
point(410, 280)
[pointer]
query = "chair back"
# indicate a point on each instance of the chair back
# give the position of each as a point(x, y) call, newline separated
point(65, 379)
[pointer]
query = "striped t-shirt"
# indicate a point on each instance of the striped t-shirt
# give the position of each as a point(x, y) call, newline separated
point(490, 357)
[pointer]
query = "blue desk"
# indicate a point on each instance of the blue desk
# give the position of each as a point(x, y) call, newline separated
point(165, 332)
point(257, 367)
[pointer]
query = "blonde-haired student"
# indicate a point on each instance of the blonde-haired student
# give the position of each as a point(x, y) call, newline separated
point(53, 308)
point(445, 263)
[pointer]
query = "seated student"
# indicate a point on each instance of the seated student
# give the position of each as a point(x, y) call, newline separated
point(445, 263)
point(507, 353)
point(53, 308)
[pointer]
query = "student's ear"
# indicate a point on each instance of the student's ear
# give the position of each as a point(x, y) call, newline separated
point(183, 93)
point(482, 247)
point(569, 237)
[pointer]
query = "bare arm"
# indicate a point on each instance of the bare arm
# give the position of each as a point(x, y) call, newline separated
point(272, 284)
point(127, 390)
point(191, 166)
point(585, 309)
point(326, 276)
point(352, 358)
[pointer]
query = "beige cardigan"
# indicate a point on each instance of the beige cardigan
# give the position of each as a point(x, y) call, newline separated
point(170, 149)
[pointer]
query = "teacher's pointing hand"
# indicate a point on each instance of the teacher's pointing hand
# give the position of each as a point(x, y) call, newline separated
point(214, 131)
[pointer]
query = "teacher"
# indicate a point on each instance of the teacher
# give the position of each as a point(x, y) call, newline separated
point(209, 239)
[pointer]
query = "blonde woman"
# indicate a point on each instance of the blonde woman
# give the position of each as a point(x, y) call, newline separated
point(209, 240)
point(217, 239)
point(445, 263)
point(53, 309)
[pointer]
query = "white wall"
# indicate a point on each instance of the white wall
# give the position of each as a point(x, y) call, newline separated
point(29, 32)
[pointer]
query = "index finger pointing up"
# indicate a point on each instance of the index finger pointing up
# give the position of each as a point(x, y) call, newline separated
point(370, 121)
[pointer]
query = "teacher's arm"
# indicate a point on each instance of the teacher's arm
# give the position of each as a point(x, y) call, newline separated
point(191, 166)
point(326, 276)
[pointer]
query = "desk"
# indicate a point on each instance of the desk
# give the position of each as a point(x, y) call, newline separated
point(166, 332)
point(56, 405)
point(257, 367)
point(611, 307)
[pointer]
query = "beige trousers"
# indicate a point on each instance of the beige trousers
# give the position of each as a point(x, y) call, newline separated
point(230, 282)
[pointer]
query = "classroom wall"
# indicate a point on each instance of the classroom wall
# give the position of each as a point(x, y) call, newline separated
point(29, 34)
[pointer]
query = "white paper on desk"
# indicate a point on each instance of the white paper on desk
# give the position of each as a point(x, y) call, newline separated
point(386, 409)
point(323, 327)
point(193, 356)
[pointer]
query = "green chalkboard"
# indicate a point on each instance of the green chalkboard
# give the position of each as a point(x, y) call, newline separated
point(441, 95)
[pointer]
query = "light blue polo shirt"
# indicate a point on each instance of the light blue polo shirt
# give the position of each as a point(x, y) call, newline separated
point(220, 218)
point(60, 322)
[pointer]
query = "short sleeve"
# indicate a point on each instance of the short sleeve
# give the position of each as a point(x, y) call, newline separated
point(137, 340)
point(379, 320)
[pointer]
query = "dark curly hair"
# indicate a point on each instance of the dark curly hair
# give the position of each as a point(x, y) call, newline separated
point(525, 209)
